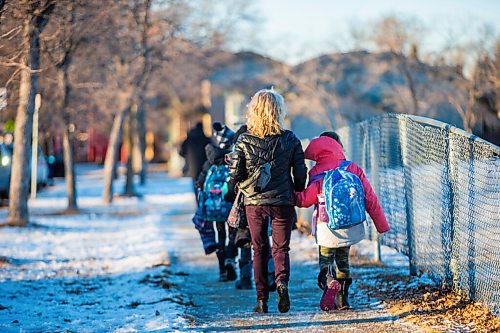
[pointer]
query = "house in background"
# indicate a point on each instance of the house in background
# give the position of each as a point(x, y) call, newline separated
point(227, 107)
point(230, 109)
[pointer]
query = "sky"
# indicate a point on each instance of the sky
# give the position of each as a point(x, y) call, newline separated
point(297, 30)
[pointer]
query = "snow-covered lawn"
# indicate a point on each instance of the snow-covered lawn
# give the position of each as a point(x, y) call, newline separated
point(94, 271)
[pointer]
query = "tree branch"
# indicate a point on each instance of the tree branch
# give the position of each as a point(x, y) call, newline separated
point(13, 76)
point(12, 32)
point(87, 85)
point(18, 65)
point(42, 16)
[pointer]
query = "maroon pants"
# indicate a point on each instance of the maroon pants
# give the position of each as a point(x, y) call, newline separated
point(281, 218)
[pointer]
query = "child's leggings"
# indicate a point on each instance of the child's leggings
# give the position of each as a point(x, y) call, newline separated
point(337, 259)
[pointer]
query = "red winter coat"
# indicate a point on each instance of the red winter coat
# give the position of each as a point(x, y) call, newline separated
point(328, 155)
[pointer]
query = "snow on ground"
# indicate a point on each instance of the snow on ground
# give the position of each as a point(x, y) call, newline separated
point(93, 271)
point(97, 271)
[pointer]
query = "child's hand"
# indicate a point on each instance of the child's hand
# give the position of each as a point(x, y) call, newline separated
point(228, 159)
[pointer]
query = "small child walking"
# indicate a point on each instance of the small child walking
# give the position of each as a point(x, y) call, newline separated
point(212, 184)
point(334, 277)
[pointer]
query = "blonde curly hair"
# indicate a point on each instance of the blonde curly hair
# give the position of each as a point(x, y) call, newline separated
point(266, 113)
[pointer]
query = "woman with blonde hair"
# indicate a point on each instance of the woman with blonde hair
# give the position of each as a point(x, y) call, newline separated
point(268, 165)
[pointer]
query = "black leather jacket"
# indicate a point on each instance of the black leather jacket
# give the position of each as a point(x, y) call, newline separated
point(252, 152)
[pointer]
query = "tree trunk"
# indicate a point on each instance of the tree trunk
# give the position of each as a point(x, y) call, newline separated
point(69, 162)
point(143, 84)
point(141, 131)
point(69, 169)
point(28, 88)
point(128, 141)
point(112, 155)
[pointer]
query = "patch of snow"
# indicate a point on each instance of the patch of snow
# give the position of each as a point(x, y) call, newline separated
point(87, 272)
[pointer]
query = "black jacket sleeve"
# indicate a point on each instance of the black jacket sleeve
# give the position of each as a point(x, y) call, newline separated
point(299, 169)
point(231, 193)
point(237, 169)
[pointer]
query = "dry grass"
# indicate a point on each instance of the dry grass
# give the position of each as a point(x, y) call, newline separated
point(432, 308)
point(443, 310)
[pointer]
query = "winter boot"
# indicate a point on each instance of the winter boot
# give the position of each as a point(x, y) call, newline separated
point(327, 301)
point(342, 301)
point(245, 281)
point(322, 279)
point(331, 287)
point(222, 267)
point(230, 270)
point(283, 297)
point(261, 306)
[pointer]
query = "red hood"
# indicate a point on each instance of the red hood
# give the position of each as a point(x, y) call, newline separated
point(326, 152)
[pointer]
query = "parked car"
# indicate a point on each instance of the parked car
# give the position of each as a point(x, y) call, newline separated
point(6, 166)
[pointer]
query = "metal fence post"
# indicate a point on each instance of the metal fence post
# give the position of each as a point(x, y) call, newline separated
point(408, 192)
point(373, 159)
point(471, 248)
point(448, 229)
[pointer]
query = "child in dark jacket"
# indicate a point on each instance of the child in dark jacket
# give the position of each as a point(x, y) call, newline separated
point(334, 245)
point(216, 152)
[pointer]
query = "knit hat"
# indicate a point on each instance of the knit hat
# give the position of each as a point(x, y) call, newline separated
point(222, 135)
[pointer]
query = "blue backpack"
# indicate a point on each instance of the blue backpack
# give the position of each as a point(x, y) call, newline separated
point(344, 197)
point(215, 208)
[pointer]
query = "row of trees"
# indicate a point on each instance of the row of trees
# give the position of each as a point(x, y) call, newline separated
point(111, 64)
point(474, 56)
point(94, 63)
point(476, 59)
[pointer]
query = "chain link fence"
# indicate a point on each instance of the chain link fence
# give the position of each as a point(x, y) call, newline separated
point(440, 189)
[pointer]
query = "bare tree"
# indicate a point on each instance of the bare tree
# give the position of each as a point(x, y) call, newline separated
point(400, 38)
point(480, 80)
point(180, 24)
point(137, 125)
point(65, 48)
point(134, 82)
point(35, 16)
point(112, 155)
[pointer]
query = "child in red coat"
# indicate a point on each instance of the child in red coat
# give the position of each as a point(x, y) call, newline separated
point(334, 245)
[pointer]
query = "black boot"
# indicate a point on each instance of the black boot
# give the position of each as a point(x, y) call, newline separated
point(283, 297)
point(245, 281)
point(222, 267)
point(342, 300)
point(230, 270)
point(322, 279)
point(261, 306)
